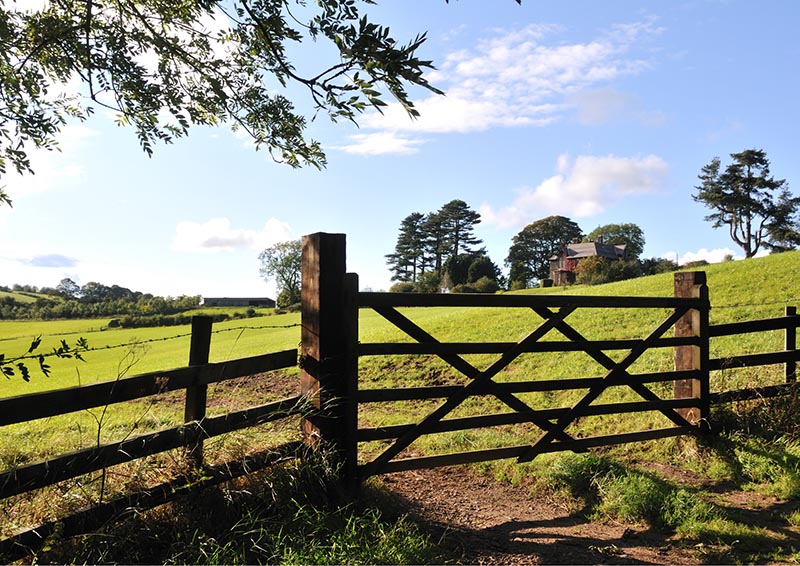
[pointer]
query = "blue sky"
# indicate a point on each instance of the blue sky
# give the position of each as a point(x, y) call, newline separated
point(603, 112)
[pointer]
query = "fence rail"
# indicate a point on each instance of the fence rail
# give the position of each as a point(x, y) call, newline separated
point(190, 435)
point(29, 407)
point(64, 401)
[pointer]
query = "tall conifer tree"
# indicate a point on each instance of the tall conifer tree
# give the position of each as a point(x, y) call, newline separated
point(407, 261)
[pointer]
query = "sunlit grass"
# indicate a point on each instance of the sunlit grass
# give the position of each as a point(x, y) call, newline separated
point(615, 491)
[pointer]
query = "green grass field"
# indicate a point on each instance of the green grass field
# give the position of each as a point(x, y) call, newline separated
point(154, 348)
point(741, 290)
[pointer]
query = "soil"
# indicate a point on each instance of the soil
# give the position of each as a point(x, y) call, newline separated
point(483, 521)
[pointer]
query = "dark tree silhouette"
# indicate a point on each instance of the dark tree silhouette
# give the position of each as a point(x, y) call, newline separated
point(758, 209)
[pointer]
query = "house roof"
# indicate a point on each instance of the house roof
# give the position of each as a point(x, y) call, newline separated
point(590, 249)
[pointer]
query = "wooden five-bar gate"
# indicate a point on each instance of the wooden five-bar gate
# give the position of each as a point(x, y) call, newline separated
point(331, 350)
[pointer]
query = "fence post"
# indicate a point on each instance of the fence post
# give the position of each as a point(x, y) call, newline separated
point(694, 323)
point(328, 357)
point(195, 408)
point(790, 344)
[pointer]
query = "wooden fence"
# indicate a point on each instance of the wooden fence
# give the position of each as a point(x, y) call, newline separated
point(329, 398)
point(194, 379)
point(331, 350)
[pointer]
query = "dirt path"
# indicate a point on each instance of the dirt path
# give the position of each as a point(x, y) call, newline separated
point(488, 522)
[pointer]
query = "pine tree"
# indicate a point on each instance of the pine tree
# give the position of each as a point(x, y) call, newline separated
point(427, 244)
point(458, 222)
point(407, 261)
point(434, 242)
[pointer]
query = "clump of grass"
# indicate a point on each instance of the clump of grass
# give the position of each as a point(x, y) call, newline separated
point(767, 465)
point(731, 542)
point(609, 489)
point(346, 536)
point(793, 518)
point(770, 418)
point(770, 467)
point(632, 498)
point(614, 491)
point(577, 477)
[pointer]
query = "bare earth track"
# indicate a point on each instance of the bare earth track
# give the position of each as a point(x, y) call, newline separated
point(488, 522)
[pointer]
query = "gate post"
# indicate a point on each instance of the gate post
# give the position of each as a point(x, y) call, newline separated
point(195, 405)
point(790, 344)
point(694, 323)
point(328, 351)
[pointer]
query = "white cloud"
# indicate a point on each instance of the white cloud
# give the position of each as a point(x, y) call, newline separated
point(711, 256)
point(584, 187)
point(600, 106)
point(515, 79)
point(34, 264)
point(217, 235)
point(380, 143)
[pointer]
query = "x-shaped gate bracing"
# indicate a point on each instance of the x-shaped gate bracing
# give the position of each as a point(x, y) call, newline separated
point(481, 382)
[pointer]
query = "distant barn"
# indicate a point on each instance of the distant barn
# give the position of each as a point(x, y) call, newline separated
point(237, 302)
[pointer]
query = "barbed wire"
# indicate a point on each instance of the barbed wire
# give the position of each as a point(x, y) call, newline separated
point(149, 341)
point(84, 331)
point(277, 326)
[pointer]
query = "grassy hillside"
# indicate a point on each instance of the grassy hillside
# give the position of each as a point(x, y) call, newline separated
point(741, 290)
point(24, 297)
point(152, 348)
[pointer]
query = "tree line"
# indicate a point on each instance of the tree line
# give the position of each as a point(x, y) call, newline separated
point(92, 300)
point(438, 251)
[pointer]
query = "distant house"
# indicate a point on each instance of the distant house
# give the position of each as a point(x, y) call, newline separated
point(237, 302)
point(562, 266)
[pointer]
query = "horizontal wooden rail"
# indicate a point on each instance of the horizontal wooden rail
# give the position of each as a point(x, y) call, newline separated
point(41, 474)
point(612, 439)
point(445, 348)
point(427, 462)
point(441, 391)
point(373, 300)
point(750, 326)
point(754, 393)
point(484, 421)
point(750, 360)
point(517, 451)
point(33, 406)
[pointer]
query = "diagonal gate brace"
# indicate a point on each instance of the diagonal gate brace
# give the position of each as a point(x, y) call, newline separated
point(617, 375)
point(480, 380)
